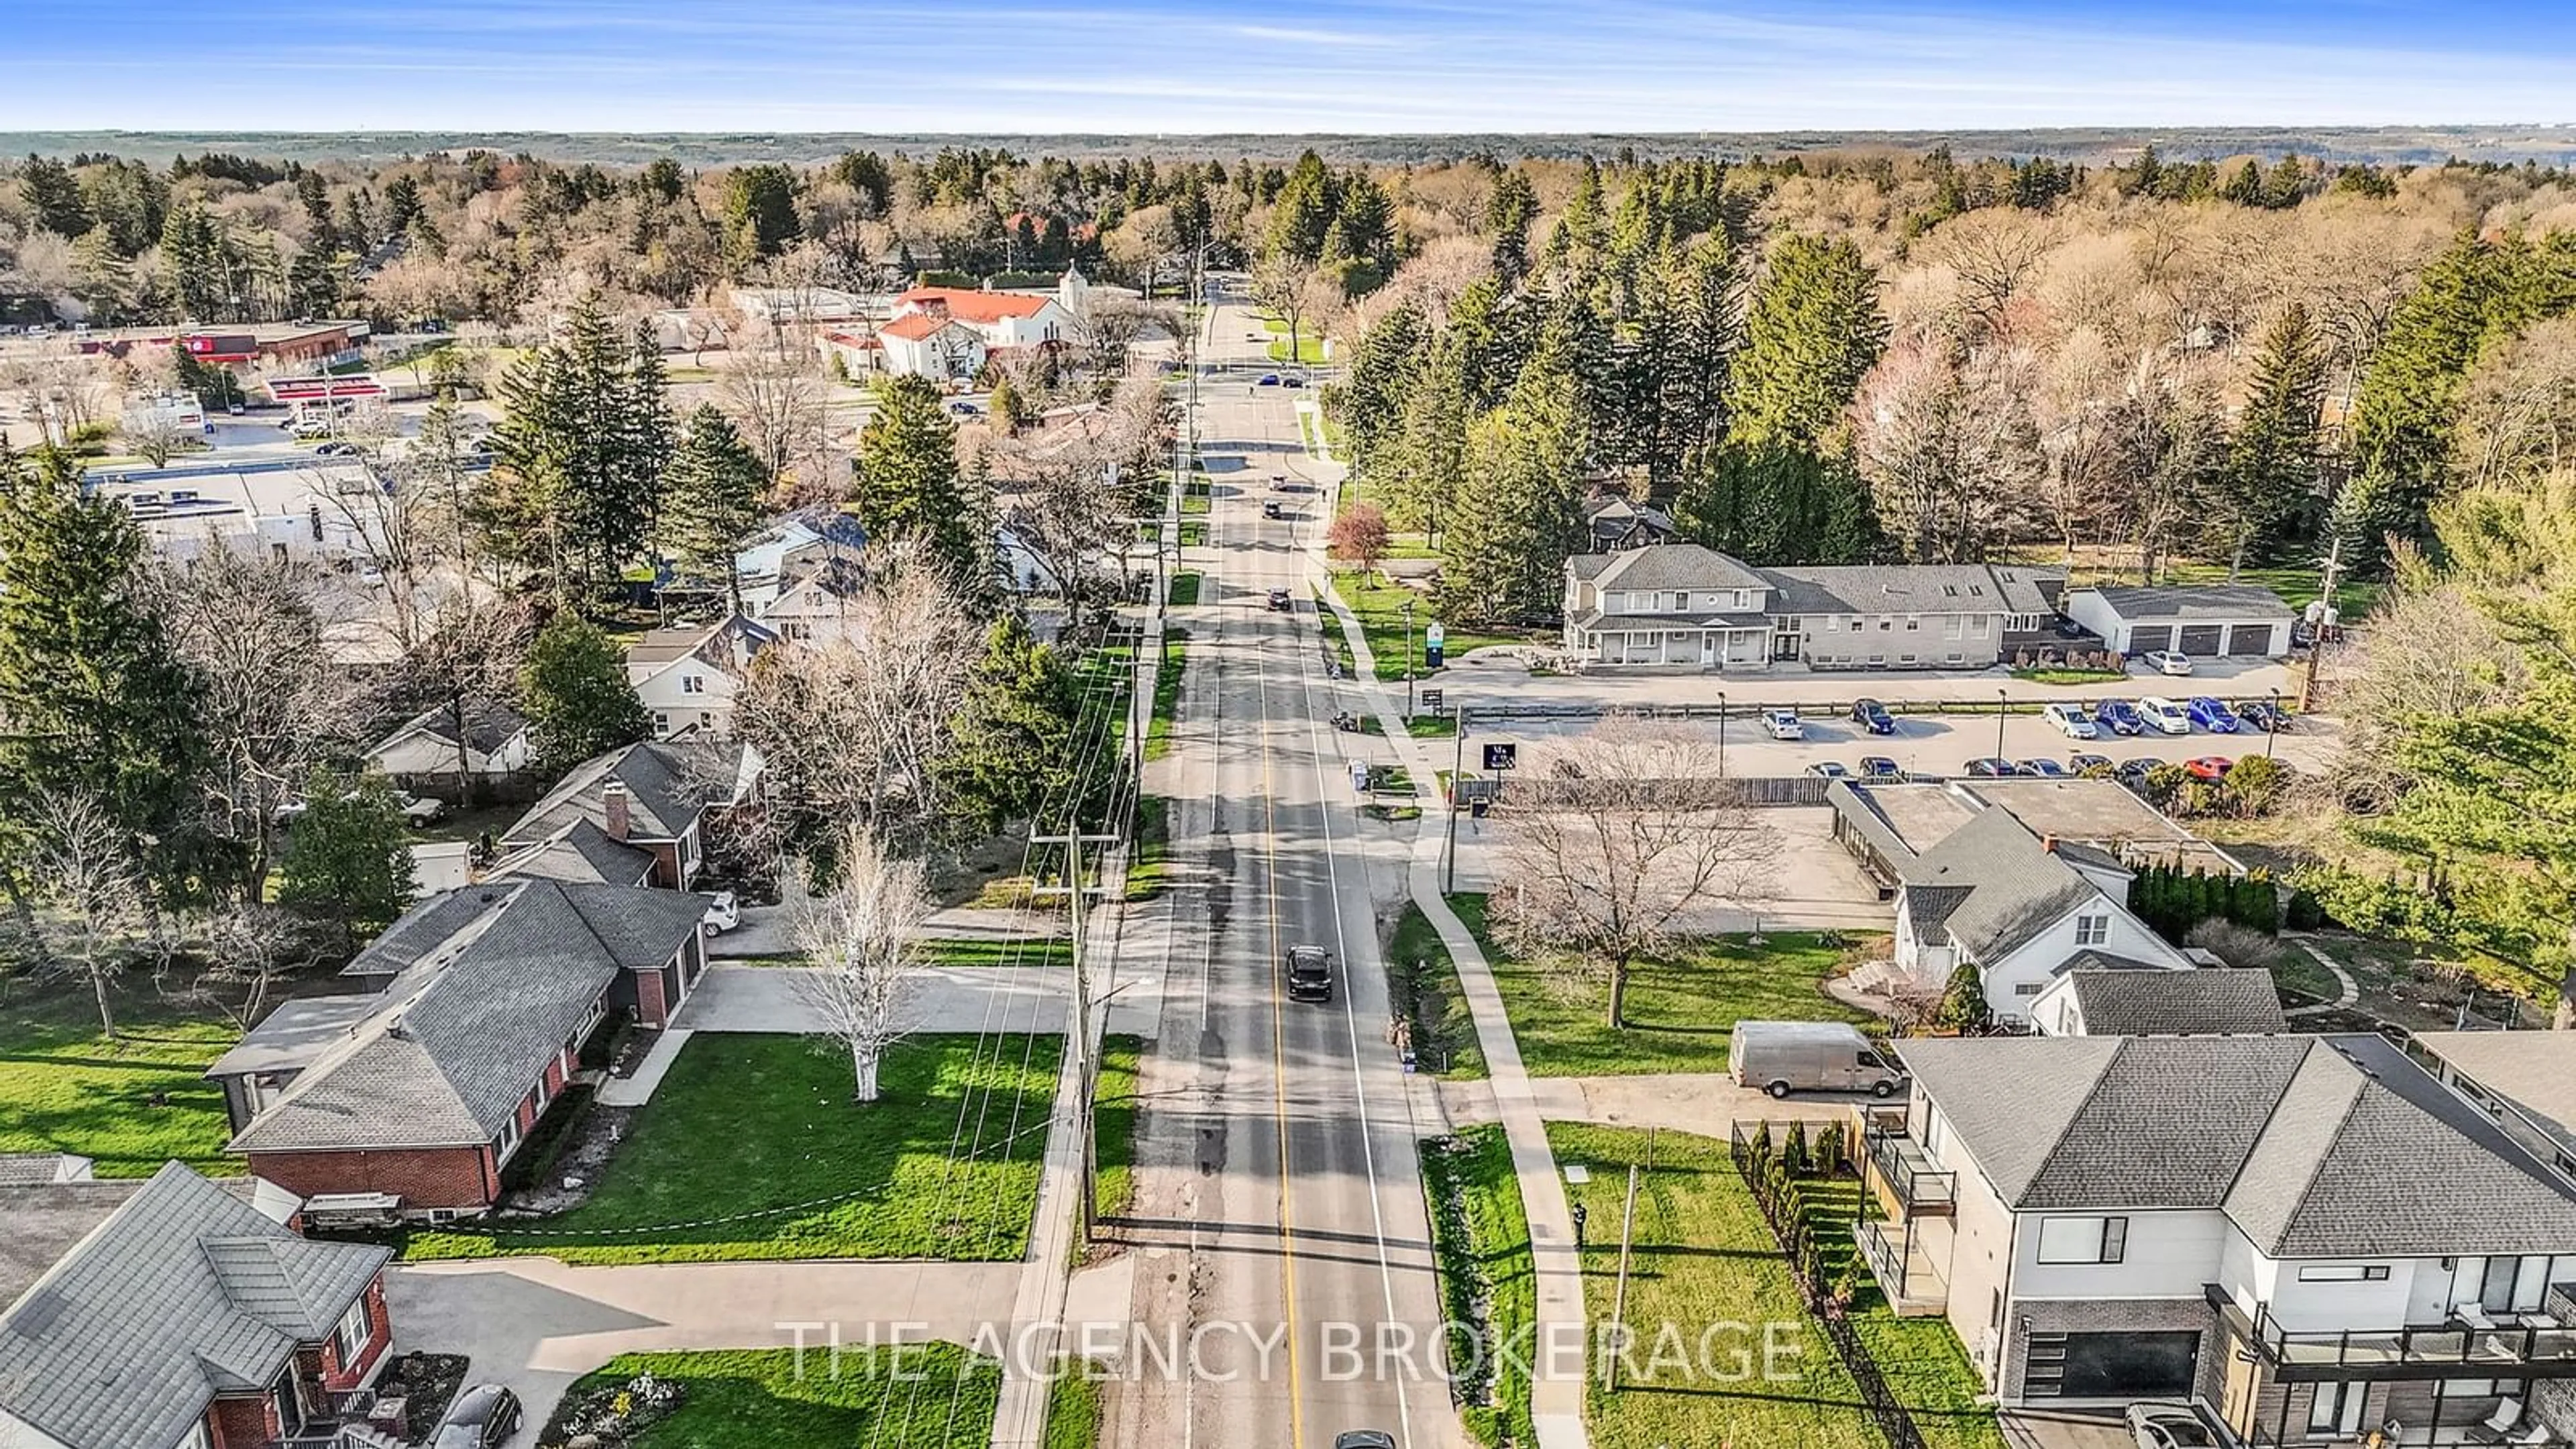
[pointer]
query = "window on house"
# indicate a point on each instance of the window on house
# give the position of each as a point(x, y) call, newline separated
point(508, 1141)
point(350, 1338)
point(1913, 622)
point(2092, 930)
point(693, 684)
point(1977, 626)
point(2343, 1273)
point(2028, 988)
point(2083, 1240)
point(1681, 602)
point(661, 723)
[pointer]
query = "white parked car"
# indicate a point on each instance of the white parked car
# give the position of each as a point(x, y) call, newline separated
point(723, 914)
point(2165, 661)
point(2165, 716)
point(1784, 724)
point(422, 809)
point(2071, 721)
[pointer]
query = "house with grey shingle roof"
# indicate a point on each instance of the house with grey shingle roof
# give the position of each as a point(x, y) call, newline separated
point(2021, 908)
point(2099, 993)
point(443, 747)
point(2213, 621)
point(2307, 1233)
point(1682, 604)
point(653, 797)
point(186, 1318)
point(424, 1088)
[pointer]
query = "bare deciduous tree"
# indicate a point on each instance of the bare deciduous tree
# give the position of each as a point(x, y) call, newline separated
point(1605, 871)
point(248, 951)
point(82, 867)
point(776, 397)
point(155, 433)
point(861, 936)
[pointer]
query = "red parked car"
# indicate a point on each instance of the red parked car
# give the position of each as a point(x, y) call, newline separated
point(2209, 768)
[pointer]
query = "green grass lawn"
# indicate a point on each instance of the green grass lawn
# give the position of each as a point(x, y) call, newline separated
point(997, 951)
point(64, 1087)
point(1167, 692)
point(1114, 1116)
point(1488, 1281)
point(1151, 861)
point(2068, 676)
point(1680, 1012)
point(1444, 1032)
point(1185, 590)
point(1380, 607)
point(752, 1149)
point(1920, 1358)
point(1702, 1262)
point(1310, 349)
point(924, 1396)
point(1073, 1412)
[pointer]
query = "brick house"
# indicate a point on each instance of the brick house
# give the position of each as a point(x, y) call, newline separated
point(645, 805)
point(2309, 1234)
point(190, 1319)
point(424, 1089)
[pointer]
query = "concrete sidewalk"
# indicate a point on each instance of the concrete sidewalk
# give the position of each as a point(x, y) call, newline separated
point(1557, 1388)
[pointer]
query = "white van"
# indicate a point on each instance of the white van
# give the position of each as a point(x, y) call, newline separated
point(1781, 1057)
point(2165, 716)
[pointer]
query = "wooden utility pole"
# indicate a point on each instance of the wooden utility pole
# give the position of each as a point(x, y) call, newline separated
point(1619, 1296)
point(1086, 1061)
point(2317, 634)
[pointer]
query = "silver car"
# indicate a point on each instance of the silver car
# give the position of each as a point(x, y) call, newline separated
point(2169, 1425)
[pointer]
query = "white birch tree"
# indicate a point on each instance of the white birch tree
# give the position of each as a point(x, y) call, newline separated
point(862, 936)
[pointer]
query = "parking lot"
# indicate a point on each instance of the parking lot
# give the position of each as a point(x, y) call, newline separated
point(1938, 744)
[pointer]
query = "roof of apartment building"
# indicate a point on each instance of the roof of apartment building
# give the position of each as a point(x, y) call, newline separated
point(1994, 886)
point(2313, 1146)
point(2195, 601)
point(457, 1037)
point(1886, 589)
point(183, 1291)
point(668, 785)
point(2102, 818)
point(1665, 566)
point(2532, 1073)
point(2119, 996)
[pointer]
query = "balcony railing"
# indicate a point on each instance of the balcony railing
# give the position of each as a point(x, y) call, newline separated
point(2542, 1347)
point(1909, 1173)
point(1905, 1273)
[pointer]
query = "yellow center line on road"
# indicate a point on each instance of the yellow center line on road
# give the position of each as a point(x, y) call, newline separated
point(1279, 1061)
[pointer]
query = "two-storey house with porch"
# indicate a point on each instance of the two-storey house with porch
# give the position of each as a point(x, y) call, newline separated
point(2308, 1234)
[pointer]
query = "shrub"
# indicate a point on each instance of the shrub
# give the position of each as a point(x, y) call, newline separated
point(2234, 944)
point(1963, 1005)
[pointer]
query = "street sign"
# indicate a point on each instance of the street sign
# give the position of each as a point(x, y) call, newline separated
point(1501, 757)
point(1433, 639)
point(1431, 701)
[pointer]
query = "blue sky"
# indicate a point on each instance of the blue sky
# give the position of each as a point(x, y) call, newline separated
point(1223, 65)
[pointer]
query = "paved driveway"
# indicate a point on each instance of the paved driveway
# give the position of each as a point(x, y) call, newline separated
point(535, 1324)
point(966, 999)
point(2065, 1429)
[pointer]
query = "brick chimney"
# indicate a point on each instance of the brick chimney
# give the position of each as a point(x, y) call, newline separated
point(2048, 843)
point(617, 806)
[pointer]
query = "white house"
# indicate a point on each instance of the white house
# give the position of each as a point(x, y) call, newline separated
point(688, 677)
point(2307, 1234)
point(2019, 908)
point(931, 344)
point(493, 744)
point(2098, 995)
point(817, 608)
point(1001, 319)
point(1681, 604)
point(2208, 621)
point(790, 550)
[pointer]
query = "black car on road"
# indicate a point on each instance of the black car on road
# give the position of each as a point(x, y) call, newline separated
point(1872, 716)
point(483, 1417)
point(1280, 603)
point(1310, 973)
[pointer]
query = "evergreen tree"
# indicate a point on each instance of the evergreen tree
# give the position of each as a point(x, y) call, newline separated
point(2245, 187)
point(2273, 456)
point(908, 485)
point(348, 859)
point(580, 453)
point(759, 213)
point(192, 252)
point(1369, 402)
point(1518, 511)
point(1813, 332)
point(1510, 209)
point(1303, 213)
point(98, 702)
point(53, 193)
point(711, 501)
point(1012, 752)
point(1422, 461)
point(574, 691)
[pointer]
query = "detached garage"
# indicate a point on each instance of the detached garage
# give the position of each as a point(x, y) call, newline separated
point(2206, 621)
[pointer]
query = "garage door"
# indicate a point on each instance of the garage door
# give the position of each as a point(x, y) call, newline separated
point(2202, 639)
point(2249, 639)
point(2146, 640)
point(2112, 1365)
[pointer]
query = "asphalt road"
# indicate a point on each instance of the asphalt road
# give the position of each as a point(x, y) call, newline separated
point(1279, 1224)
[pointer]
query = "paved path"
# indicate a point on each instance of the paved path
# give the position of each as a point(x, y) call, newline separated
point(2347, 990)
point(1706, 1103)
point(535, 1324)
point(1557, 1387)
point(763, 930)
